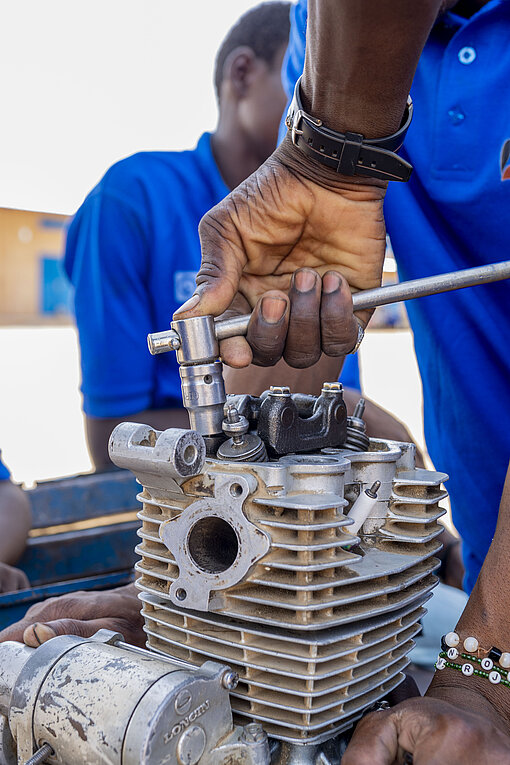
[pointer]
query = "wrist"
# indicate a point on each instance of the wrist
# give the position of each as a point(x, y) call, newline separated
point(347, 111)
point(293, 158)
point(473, 694)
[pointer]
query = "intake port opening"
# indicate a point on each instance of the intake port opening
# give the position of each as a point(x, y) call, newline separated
point(213, 544)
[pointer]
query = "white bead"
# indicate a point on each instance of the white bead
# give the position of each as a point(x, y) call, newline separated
point(452, 653)
point(487, 664)
point(504, 660)
point(470, 644)
point(495, 677)
point(440, 663)
point(452, 639)
point(467, 669)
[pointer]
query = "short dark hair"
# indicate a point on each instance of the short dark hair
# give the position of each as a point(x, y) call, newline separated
point(264, 29)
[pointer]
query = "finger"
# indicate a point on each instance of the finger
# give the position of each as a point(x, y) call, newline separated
point(267, 329)
point(22, 580)
point(236, 352)
point(339, 326)
point(38, 633)
point(13, 579)
point(222, 263)
point(303, 346)
point(374, 742)
point(406, 690)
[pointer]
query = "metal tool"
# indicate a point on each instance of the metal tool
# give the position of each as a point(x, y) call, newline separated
point(170, 339)
point(196, 342)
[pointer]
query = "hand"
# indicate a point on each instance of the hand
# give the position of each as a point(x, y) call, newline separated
point(12, 579)
point(83, 614)
point(433, 731)
point(293, 240)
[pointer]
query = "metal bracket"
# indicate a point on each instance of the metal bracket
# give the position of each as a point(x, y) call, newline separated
point(284, 431)
point(213, 542)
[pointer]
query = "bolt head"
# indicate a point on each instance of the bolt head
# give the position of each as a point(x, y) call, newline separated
point(253, 732)
point(230, 680)
point(279, 390)
point(332, 386)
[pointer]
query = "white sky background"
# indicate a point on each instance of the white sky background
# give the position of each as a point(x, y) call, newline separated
point(85, 83)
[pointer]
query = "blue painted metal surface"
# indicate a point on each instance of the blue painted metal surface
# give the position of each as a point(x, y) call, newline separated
point(83, 497)
point(73, 554)
point(74, 559)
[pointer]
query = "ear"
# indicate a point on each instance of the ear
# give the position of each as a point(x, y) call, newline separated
point(239, 70)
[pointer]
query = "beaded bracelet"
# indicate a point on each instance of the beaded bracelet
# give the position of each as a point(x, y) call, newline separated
point(485, 657)
point(495, 677)
point(471, 646)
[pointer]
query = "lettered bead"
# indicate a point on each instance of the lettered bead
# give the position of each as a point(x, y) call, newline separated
point(487, 664)
point(495, 677)
point(504, 660)
point(440, 663)
point(467, 669)
point(452, 653)
point(452, 639)
point(471, 644)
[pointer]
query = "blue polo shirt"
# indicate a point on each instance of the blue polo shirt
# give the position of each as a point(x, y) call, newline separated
point(132, 253)
point(455, 213)
point(4, 471)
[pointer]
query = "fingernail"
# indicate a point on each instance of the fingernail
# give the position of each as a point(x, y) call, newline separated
point(330, 282)
point(189, 304)
point(305, 280)
point(273, 309)
point(37, 634)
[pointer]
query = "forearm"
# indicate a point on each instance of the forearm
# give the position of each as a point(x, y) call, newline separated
point(15, 521)
point(486, 615)
point(360, 60)
point(254, 380)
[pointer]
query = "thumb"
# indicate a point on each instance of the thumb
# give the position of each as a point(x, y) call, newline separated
point(223, 258)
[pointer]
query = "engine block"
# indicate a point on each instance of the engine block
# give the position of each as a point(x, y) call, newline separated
point(253, 564)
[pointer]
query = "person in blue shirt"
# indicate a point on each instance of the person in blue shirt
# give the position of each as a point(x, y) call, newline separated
point(359, 63)
point(15, 523)
point(433, 229)
point(133, 250)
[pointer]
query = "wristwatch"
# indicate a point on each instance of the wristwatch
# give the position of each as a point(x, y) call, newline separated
point(349, 153)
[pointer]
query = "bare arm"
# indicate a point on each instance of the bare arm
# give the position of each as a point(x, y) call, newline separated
point(360, 60)
point(485, 617)
point(294, 213)
point(99, 430)
point(15, 521)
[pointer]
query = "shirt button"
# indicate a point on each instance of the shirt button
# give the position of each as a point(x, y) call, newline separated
point(467, 55)
point(456, 115)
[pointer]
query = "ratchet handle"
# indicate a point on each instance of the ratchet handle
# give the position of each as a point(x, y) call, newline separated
point(169, 340)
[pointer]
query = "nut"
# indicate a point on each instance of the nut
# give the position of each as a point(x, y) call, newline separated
point(279, 390)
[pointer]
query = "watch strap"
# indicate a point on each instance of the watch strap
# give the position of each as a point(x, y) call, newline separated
point(349, 153)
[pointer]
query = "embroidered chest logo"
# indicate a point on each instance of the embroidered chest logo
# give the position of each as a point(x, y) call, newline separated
point(504, 161)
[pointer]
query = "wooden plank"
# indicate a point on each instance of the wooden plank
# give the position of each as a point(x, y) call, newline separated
point(83, 497)
point(72, 554)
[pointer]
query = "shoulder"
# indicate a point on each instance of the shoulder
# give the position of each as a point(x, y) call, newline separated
point(136, 177)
